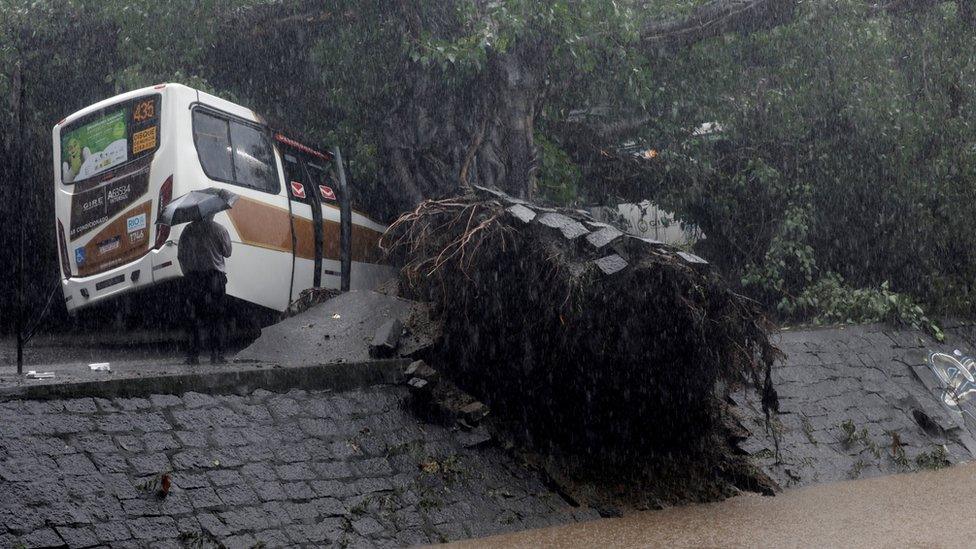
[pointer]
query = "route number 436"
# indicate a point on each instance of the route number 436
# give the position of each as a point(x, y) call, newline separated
point(144, 111)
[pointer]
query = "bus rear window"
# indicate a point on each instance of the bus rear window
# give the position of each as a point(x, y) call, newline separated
point(101, 141)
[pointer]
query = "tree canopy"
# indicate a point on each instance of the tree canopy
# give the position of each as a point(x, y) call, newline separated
point(841, 156)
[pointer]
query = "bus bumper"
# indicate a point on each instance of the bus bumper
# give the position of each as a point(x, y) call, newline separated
point(156, 266)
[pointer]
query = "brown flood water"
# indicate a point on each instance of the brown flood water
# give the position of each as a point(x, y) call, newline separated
point(928, 509)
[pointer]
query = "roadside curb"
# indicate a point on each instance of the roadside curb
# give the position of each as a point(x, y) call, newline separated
point(336, 376)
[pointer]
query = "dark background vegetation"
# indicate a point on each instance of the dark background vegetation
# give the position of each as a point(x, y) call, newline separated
point(837, 183)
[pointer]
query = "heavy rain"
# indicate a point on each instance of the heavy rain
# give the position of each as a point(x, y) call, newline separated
point(587, 273)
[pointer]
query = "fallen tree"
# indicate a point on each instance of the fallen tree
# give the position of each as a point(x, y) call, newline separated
point(593, 342)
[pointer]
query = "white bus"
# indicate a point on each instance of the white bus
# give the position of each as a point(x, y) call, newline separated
point(119, 162)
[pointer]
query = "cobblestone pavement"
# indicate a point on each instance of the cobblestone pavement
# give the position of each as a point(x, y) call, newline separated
point(856, 402)
point(294, 469)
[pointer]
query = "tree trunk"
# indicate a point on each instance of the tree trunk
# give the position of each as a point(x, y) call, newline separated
point(443, 136)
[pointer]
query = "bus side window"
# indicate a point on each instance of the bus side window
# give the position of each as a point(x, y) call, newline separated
point(234, 152)
point(213, 146)
point(253, 158)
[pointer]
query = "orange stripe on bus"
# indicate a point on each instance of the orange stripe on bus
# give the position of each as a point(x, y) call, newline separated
point(266, 226)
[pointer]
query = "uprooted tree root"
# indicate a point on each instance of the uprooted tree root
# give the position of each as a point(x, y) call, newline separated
point(611, 369)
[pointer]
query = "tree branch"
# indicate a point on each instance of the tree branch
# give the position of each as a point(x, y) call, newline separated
point(716, 18)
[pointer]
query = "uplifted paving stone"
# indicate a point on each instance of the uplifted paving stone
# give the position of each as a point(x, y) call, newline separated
point(692, 258)
point(570, 228)
point(522, 213)
point(339, 330)
point(602, 237)
point(611, 264)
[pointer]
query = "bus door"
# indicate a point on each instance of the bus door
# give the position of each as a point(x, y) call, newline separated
point(327, 190)
point(307, 220)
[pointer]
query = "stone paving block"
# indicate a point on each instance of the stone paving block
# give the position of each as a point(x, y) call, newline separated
point(283, 407)
point(375, 467)
point(109, 532)
point(24, 469)
point(333, 488)
point(94, 442)
point(133, 404)
point(150, 464)
point(570, 228)
point(44, 537)
point(253, 453)
point(75, 464)
point(272, 539)
point(154, 528)
point(224, 477)
point(333, 470)
point(295, 471)
point(257, 413)
point(106, 405)
point(129, 443)
point(244, 541)
point(238, 495)
point(271, 491)
point(611, 264)
point(159, 442)
point(326, 531)
point(259, 471)
point(291, 454)
point(321, 428)
point(522, 213)
point(80, 405)
point(212, 525)
point(198, 400)
point(176, 503)
point(298, 491)
point(239, 520)
point(203, 498)
point(165, 401)
point(367, 526)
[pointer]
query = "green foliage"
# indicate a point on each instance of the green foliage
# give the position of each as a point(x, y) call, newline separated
point(841, 182)
point(559, 177)
point(829, 301)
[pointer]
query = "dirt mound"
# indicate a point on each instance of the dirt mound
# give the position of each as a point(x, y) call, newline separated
point(595, 342)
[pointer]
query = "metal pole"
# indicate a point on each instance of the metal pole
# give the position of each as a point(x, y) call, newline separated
point(17, 97)
point(345, 222)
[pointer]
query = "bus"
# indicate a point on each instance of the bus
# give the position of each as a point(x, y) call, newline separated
point(119, 162)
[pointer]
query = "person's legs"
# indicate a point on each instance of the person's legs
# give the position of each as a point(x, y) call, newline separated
point(192, 319)
point(218, 289)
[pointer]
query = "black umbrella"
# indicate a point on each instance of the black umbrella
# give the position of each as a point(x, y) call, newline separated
point(196, 205)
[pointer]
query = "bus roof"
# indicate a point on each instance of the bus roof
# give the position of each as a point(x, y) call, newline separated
point(278, 135)
point(112, 100)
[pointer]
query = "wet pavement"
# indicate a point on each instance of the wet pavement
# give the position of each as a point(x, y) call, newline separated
point(857, 402)
point(302, 468)
point(909, 510)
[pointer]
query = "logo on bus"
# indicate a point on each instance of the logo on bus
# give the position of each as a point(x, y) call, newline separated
point(79, 256)
point(135, 223)
point(327, 192)
point(109, 245)
point(297, 189)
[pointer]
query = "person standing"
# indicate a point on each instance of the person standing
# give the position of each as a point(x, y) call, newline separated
point(202, 248)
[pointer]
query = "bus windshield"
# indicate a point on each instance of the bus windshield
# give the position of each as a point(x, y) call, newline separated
point(110, 137)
